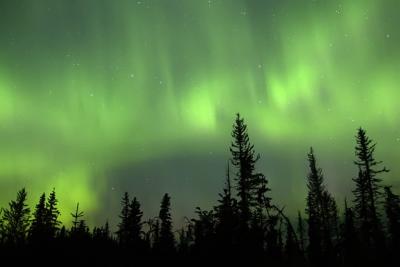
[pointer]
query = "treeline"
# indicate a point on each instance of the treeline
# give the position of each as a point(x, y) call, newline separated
point(245, 228)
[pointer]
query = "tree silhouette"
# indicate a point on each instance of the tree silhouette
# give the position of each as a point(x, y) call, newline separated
point(226, 215)
point(16, 219)
point(248, 231)
point(123, 226)
point(301, 231)
point(244, 159)
point(76, 223)
point(322, 216)
point(313, 210)
point(166, 240)
point(38, 228)
point(134, 224)
point(367, 194)
point(52, 214)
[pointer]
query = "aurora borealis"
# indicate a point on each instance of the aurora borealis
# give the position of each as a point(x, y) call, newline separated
point(100, 97)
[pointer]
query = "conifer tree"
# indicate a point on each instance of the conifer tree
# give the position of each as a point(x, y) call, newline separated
point(52, 214)
point(37, 230)
point(79, 233)
point(134, 223)
point(16, 219)
point(166, 244)
point(301, 231)
point(367, 193)
point(313, 210)
point(244, 159)
point(123, 231)
point(322, 216)
point(226, 215)
point(76, 223)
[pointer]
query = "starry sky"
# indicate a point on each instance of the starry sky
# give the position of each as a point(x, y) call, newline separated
point(100, 97)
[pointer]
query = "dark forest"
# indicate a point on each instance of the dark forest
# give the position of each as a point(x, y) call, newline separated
point(245, 228)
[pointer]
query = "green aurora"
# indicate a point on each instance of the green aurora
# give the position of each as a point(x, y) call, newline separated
point(101, 97)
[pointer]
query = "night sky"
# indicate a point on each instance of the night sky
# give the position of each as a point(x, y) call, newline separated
point(100, 97)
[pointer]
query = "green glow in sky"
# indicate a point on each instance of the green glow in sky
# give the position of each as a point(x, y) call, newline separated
point(90, 87)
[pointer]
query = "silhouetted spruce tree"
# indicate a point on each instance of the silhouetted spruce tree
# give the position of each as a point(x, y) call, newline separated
point(322, 213)
point(166, 240)
point(313, 210)
point(123, 226)
point(134, 224)
point(392, 208)
point(367, 194)
point(52, 214)
point(349, 242)
point(76, 222)
point(38, 228)
point(244, 159)
point(301, 231)
point(16, 220)
point(80, 233)
point(226, 217)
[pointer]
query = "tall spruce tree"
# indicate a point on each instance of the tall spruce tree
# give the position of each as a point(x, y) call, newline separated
point(123, 231)
point(37, 230)
point(367, 193)
point(166, 242)
point(16, 219)
point(322, 216)
point(244, 159)
point(52, 214)
point(134, 224)
point(313, 210)
point(226, 215)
